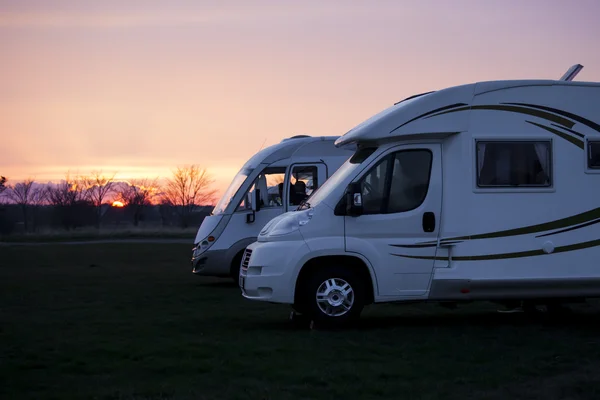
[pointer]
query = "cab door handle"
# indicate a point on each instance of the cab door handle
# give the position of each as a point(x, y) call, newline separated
point(428, 221)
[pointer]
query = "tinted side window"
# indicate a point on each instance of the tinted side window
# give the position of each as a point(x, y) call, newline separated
point(410, 180)
point(374, 188)
point(593, 154)
point(514, 164)
point(398, 183)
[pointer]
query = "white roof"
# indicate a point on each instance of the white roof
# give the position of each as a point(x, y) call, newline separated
point(409, 117)
point(284, 149)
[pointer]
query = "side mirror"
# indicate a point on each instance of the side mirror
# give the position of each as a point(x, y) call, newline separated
point(256, 200)
point(354, 206)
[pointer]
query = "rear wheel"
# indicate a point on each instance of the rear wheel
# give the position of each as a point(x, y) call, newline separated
point(334, 296)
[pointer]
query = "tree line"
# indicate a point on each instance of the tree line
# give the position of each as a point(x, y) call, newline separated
point(188, 188)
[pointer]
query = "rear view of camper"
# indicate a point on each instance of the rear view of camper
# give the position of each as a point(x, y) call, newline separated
point(275, 180)
point(485, 191)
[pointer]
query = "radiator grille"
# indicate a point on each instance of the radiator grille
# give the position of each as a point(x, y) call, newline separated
point(246, 259)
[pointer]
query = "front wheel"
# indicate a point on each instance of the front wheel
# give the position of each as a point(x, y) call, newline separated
point(334, 296)
point(234, 269)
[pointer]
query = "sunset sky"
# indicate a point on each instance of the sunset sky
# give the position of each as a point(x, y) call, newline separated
point(139, 87)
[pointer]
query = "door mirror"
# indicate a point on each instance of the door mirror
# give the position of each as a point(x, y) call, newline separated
point(354, 206)
point(256, 200)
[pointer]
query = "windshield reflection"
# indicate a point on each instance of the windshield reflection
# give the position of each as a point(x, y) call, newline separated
point(231, 191)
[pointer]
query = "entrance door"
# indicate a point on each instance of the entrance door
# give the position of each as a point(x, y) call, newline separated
point(401, 195)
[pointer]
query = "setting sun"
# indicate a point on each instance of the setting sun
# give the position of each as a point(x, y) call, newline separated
point(117, 204)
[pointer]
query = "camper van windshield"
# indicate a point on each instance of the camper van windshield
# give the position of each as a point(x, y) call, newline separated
point(231, 191)
point(340, 175)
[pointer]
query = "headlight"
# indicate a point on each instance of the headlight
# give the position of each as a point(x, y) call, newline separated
point(290, 223)
point(203, 245)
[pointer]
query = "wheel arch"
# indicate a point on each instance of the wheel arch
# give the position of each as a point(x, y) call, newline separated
point(353, 261)
point(237, 250)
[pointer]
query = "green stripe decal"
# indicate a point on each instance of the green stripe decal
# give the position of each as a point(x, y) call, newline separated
point(431, 112)
point(575, 141)
point(503, 256)
point(575, 117)
point(521, 110)
point(546, 226)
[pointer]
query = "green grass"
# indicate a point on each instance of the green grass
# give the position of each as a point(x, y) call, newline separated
point(130, 321)
point(85, 234)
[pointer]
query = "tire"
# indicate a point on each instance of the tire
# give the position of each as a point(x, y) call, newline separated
point(234, 270)
point(335, 308)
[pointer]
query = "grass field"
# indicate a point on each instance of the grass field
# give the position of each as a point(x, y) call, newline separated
point(85, 234)
point(130, 321)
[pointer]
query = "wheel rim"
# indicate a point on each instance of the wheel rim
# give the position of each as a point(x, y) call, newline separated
point(335, 297)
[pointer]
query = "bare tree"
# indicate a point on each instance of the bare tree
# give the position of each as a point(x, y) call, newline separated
point(65, 193)
point(65, 196)
point(22, 194)
point(137, 194)
point(97, 187)
point(187, 189)
point(39, 198)
point(2, 184)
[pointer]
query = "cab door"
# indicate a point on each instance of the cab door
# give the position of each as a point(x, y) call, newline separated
point(245, 224)
point(401, 207)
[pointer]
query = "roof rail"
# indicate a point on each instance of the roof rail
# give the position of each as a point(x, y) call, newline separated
point(413, 96)
point(295, 137)
point(571, 72)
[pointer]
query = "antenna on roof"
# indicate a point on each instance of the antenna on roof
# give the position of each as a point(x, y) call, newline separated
point(571, 72)
point(262, 145)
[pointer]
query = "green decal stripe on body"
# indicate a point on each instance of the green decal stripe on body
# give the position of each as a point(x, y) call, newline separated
point(570, 130)
point(543, 227)
point(502, 256)
point(429, 113)
point(575, 117)
point(521, 110)
point(577, 142)
point(425, 244)
point(593, 222)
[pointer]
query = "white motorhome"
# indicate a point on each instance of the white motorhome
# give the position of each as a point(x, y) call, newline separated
point(485, 191)
point(275, 180)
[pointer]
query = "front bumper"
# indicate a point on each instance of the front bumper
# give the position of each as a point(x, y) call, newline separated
point(269, 273)
point(211, 263)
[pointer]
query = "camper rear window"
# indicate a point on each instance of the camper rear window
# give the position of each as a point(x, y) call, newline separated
point(514, 164)
point(594, 154)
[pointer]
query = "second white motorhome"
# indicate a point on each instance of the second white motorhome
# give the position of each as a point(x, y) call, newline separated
point(275, 180)
point(485, 191)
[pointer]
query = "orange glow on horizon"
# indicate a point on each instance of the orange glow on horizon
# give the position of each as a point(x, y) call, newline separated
point(118, 204)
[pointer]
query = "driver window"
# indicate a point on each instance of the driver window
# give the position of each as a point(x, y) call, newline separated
point(410, 180)
point(270, 184)
point(303, 181)
point(402, 190)
point(373, 188)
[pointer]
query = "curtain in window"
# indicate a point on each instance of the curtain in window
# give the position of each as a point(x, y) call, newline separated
point(480, 157)
point(541, 149)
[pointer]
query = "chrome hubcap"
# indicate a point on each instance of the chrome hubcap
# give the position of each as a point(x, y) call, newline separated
point(335, 297)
